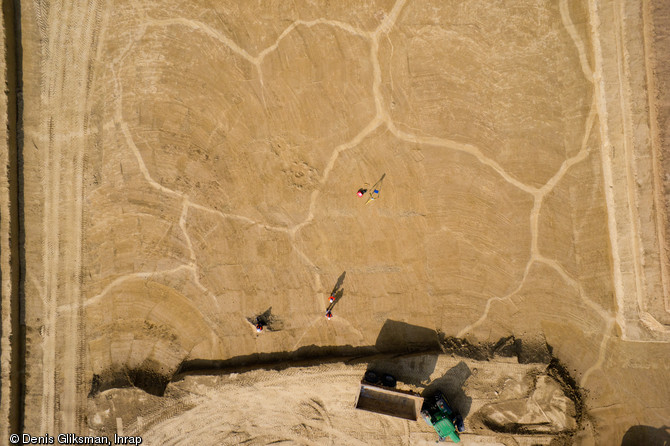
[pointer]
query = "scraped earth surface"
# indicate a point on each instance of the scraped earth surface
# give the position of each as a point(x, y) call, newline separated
point(315, 405)
point(193, 166)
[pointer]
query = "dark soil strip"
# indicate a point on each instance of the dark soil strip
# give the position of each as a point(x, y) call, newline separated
point(560, 373)
point(13, 54)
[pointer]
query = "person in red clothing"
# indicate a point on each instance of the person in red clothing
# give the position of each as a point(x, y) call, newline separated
point(361, 192)
point(329, 314)
point(331, 299)
point(259, 327)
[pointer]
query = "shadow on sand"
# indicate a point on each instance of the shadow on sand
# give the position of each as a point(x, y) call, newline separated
point(395, 338)
point(400, 337)
point(267, 320)
point(339, 283)
point(647, 435)
point(451, 386)
point(337, 292)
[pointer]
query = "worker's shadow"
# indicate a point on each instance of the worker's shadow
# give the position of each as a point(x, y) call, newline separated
point(338, 295)
point(267, 320)
point(647, 435)
point(339, 283)
point(338, 291)
point(451, 386)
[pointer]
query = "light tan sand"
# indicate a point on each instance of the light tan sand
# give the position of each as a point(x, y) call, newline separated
point(189, 166)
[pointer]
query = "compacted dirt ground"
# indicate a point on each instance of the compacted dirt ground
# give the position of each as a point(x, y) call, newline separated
point(186, 169)
point(317, 404)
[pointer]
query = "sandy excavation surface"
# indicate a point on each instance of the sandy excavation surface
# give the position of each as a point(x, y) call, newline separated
point(317, 404)
point(189, 166)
